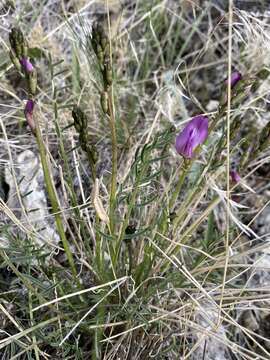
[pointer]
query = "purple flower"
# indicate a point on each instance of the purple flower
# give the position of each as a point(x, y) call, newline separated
point(27, 65)
point(235, 176)
point(28, 113)
point(235, 77)
point(194, 134)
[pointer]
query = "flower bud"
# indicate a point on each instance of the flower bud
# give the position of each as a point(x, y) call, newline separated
point(235, 78)
point(235, 176)
point(27, 65)
point(194, 134)
point(28, 113)
point(104, 101)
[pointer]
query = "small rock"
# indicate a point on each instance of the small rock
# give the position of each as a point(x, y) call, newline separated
point(209, 346)
point(30, 181)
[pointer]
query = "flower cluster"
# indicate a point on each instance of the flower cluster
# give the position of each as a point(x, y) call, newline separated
point(20, 59)
point(19, 51)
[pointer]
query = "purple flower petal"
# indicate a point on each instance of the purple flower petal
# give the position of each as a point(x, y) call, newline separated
point(235, 176)
point(235, 77)
point(27, 65)
point(194, 134)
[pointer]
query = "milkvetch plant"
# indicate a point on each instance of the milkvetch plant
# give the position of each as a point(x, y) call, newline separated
point(19, 46)
point(138, 197)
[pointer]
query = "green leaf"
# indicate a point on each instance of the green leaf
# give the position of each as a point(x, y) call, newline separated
point(36, 53)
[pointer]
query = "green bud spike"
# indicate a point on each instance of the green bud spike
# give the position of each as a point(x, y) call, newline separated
point(100, 44)
point(80, 123)
point(260, 75)
point(244, 159)
point(17, 42)
point(235, 126)
point(255, 86)
point(80, 119)
point(15, 60)
point(263, 74)
point(248, 147)
point(264, 139)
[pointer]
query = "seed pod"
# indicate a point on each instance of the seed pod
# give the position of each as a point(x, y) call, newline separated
point(100, 54)
point(15, 60)
point(32, 82)
point(108, 74)
point(104, 40)
point(104, 101)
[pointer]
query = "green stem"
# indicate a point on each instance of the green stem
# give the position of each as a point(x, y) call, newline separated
point(98, 332)
point(53, 199)
point(69, 181)
point(163, 222)
point(114, 158)
point(127, 217)
point(178, 186)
